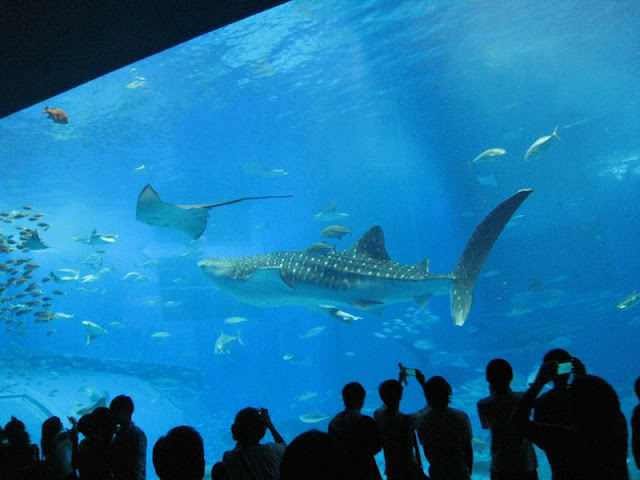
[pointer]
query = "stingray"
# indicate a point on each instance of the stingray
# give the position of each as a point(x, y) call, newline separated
point(190, 219)
point(34, 242)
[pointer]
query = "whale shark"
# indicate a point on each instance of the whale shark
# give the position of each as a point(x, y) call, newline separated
point(363, 276)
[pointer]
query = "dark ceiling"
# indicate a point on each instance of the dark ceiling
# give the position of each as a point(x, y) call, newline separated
point(50, 46)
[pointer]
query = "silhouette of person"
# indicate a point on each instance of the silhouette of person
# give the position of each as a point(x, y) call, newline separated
point(635, 427)
point(397, 431)
point(129, 444)
point(315, 455)
point(595, 442)
point(445, 434)
point(250, 459)
point(552, 407)
point(19, 459)
point(512, 455)
point(58, 446)
point(80, 457)
point(179, 455)
point(219, 472)
point(357, 434)
point(92, 459)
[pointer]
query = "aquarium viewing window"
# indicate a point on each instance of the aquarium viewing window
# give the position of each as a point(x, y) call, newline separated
point(314, 194)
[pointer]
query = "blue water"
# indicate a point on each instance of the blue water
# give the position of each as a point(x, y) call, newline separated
point(377, 106)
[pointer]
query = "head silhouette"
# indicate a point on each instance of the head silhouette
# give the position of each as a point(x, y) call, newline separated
point(50, 428)
point(122, 409)
point(16, 433)
point(219, 472)
point(437, 392)
point(179, 455)
point(249, 426)
point(104, 422)
point(391, 393)
point(314, 455)
point(353, 395)
point(86, 425)
point(561, 356)
point(499, 375)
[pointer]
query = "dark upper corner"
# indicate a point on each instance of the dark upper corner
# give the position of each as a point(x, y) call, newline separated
point(48, 47)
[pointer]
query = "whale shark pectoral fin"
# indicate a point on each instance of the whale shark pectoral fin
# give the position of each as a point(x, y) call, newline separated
point(422, 301)
point(286, 278)
point(366, 304)
point(475, 253)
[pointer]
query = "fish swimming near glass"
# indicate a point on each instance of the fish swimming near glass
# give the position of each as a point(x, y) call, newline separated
point(541, 145)
point(629, 301)
point(487, 156)
point(190, 219)
point(362, 276)
point(56, 114)
point(223, 343)
point(93, 330)
point(330, 214)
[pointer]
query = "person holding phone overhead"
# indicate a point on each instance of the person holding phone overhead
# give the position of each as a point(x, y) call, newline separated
point(397, 429)
point(250, 458)
point(593, 446)
point(552, 407)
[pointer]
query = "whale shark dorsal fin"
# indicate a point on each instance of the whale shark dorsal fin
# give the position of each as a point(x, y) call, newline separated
point(371, 244)
point(424, 264)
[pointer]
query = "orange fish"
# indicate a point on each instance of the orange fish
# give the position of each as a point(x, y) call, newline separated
point(56, 114)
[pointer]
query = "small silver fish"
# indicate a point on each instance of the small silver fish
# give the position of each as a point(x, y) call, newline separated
point(335, 231)
point(487, 155)
point(629, 301)
point(223, 343)
point(541, 145)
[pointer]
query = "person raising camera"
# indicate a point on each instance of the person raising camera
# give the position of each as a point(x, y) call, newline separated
point(250, 458)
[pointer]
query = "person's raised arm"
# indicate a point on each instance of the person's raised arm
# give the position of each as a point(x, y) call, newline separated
point(535, 432)
point(264, 413)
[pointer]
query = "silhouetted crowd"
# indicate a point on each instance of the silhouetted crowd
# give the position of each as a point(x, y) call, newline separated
point(578, 424)
point(113, 447)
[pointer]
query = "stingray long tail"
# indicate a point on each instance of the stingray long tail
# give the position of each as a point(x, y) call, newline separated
point(475, 253)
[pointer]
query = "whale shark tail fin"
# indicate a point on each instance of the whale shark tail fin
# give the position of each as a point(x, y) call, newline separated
point(475, 253)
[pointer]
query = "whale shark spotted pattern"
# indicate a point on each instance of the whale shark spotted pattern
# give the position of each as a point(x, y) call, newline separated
point(363, 276)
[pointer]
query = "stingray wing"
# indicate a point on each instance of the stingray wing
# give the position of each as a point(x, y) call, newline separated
point(191, 219)
point(152, 210)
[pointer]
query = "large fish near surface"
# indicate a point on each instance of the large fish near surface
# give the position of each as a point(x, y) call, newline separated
point(362, 276)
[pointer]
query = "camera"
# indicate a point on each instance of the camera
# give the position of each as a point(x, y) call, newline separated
point(408, 372)
point(564, 368)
